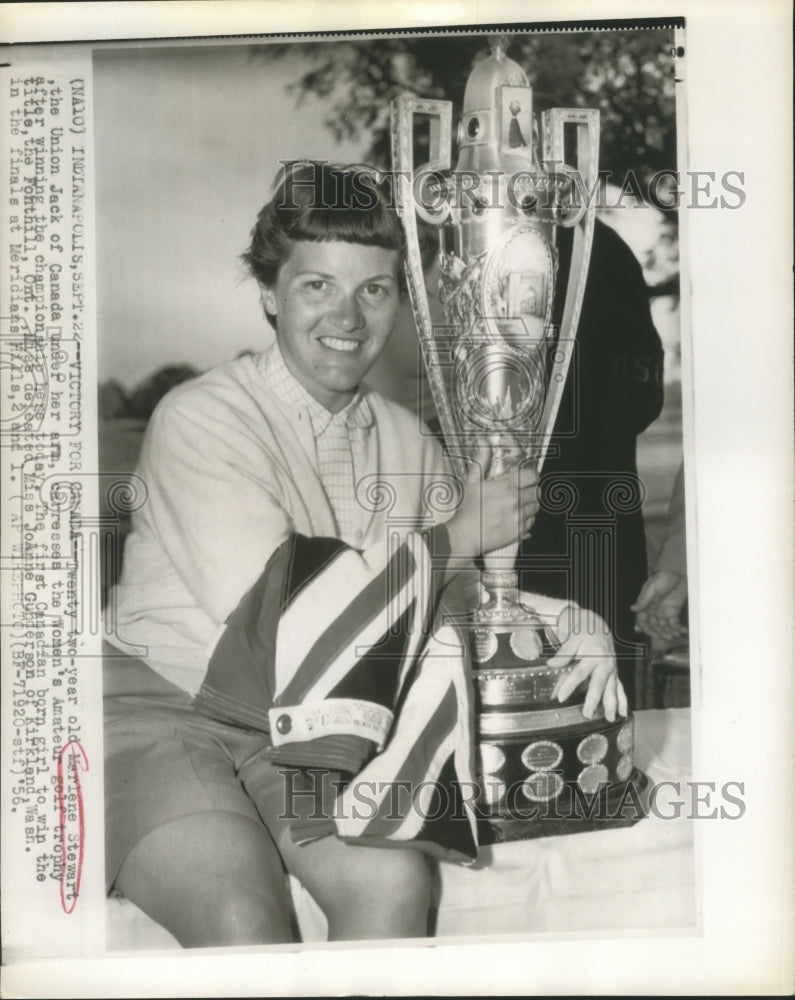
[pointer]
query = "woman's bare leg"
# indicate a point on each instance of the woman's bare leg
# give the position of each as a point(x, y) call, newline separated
point(211, 879)
point(365, 892)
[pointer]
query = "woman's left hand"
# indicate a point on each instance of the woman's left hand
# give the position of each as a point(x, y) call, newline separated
point(586, 639)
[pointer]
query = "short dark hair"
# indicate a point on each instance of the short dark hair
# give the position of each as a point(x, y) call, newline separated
point(318, 202)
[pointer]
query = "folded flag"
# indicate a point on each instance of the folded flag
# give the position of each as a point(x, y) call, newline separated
point(334, 653)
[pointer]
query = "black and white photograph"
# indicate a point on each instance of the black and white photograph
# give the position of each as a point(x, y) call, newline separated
point(579, 533)
point(382, 507)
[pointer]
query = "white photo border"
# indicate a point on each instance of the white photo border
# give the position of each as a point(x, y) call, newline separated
point(739, 442)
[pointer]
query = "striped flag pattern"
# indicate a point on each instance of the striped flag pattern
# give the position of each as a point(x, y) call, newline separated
point(333, 652)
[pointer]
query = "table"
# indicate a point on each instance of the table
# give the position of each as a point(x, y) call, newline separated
point(633, 878)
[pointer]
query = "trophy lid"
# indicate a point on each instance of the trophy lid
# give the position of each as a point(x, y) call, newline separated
point(490, 73)
point(496, 130)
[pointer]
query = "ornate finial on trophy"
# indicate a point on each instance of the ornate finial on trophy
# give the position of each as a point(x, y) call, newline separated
point(498, 366)
point(499, 44)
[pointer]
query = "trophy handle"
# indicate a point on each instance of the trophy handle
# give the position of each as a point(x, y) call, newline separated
point(584, 174)
point(440, 113)
point(440, 118)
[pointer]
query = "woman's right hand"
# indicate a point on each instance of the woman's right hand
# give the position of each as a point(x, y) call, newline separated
point(493, 512)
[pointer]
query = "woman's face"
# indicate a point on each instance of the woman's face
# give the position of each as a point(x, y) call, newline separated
point(335, 305)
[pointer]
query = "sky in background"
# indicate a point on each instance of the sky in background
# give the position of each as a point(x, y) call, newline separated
point(187, 146)
point(187, 143)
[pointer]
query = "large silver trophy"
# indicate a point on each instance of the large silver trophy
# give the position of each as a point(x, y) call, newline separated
point(497, 369)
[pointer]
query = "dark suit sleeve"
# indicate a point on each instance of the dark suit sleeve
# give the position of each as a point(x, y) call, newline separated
point(613, 392)
point(620, 352)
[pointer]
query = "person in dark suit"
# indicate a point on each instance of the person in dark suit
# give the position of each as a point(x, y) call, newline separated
point(588, 542)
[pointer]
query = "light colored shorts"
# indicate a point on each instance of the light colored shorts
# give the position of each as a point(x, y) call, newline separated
point(164, 761)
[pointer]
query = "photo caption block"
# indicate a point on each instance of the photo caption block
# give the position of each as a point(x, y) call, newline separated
point(51, 539)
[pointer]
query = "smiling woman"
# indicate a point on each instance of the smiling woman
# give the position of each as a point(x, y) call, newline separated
point(284, 583)
point(326, 252)
point(334, 306)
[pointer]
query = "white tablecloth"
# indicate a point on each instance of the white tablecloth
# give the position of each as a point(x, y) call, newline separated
point(634, 878)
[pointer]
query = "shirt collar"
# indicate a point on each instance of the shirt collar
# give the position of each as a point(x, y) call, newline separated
point(286, 387)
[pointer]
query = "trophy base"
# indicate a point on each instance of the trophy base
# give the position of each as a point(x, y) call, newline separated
point(543, 768)
point(619, 805)
point(555, 773)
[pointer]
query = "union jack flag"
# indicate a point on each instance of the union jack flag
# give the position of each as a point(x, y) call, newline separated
point(337, 655)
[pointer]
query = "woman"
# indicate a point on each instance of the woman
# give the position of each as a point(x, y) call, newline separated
point(261, 579)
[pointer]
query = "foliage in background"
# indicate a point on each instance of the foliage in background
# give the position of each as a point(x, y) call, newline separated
point(628, 75)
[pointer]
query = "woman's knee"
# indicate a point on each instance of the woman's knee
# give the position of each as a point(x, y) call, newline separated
point(386, 895)
point(224, 914)
point(405, 877)
point(213, 879)
point(242, 915)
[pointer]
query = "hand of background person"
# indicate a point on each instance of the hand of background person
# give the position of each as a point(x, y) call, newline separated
point(659, 607)
point(586, 639)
